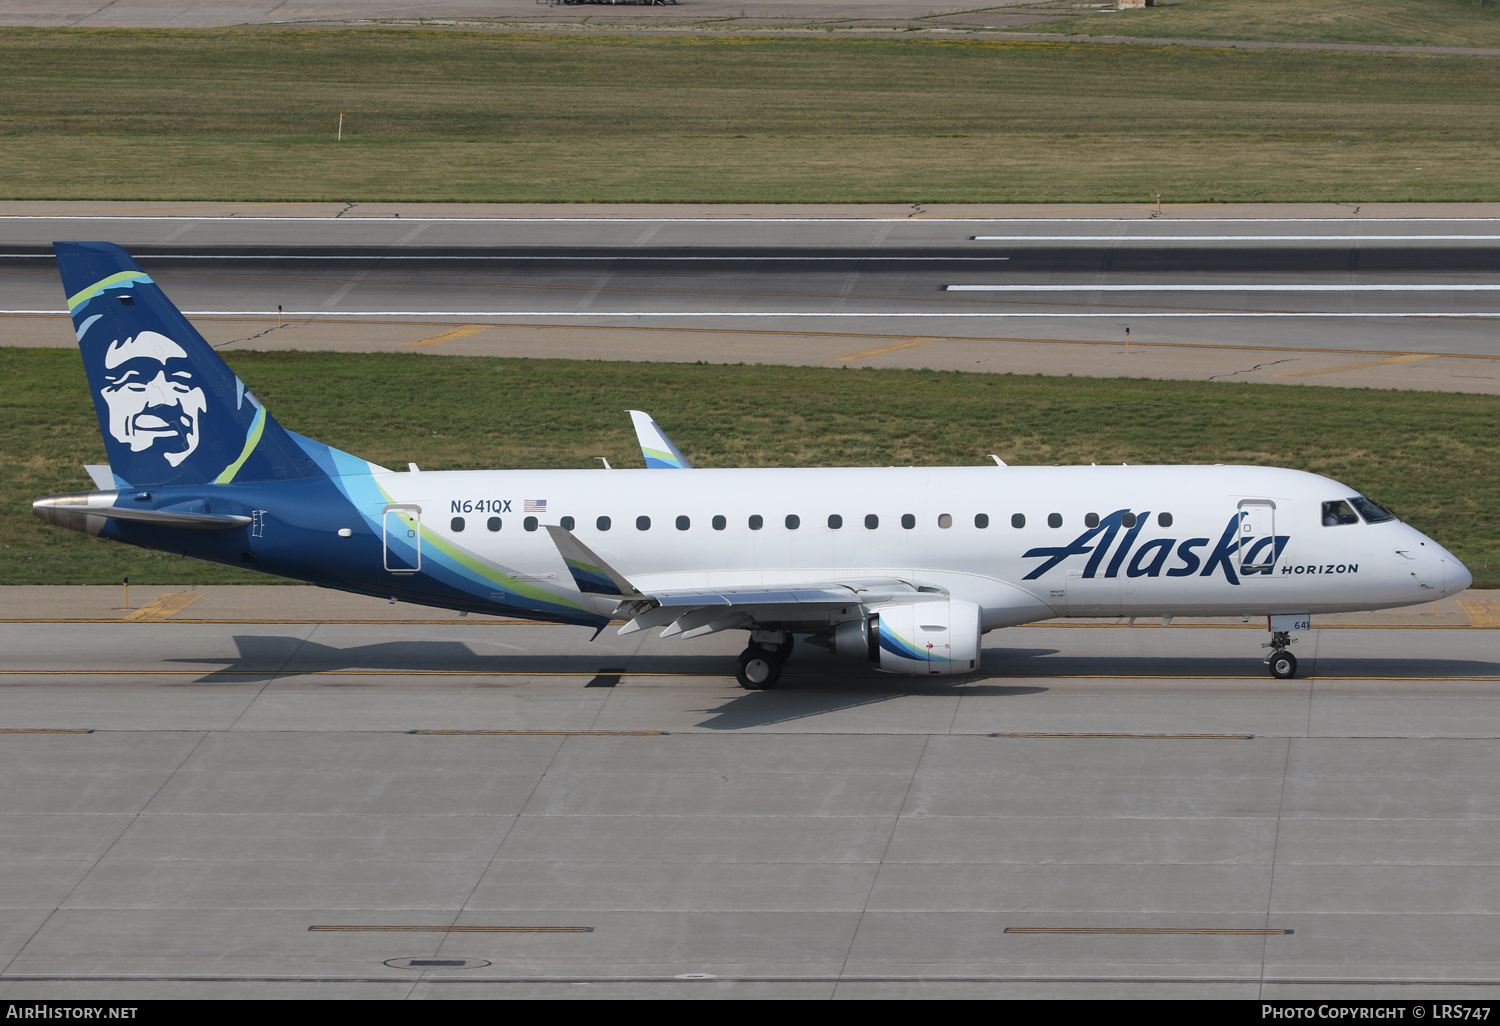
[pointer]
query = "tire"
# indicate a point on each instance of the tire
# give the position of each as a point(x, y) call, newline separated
point(758, 669)
point(1283, 665)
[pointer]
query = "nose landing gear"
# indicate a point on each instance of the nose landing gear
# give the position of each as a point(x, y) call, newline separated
point(1281, 663)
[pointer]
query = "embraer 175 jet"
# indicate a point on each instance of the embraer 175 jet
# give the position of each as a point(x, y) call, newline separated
point(904, 568)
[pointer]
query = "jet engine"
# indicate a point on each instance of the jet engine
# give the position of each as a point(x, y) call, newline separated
point(919, 638)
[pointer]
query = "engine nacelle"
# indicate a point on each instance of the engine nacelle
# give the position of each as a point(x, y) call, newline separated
point(920, 638)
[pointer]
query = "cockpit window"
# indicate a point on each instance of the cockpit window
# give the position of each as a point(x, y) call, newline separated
point(1373, 512)
point(1338, 512)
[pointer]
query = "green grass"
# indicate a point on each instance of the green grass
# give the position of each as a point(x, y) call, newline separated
point(1430, 455)
point(250, 114)
point(1392, 22)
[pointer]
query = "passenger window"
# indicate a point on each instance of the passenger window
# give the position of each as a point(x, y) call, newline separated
point(835, 521)
point(871, 521)
point(756, 522)
point(1091, 520)
point(567, 523)
point(683, 523)
point(1373, 512)
point(1338, 513)
point(793, 521)
point(643, 523)
point(945, 520)
point(1018, 520)
point(981, 520)
point(1054, 519)
point(457, 524)
point(602, 523)
point(1128, 520)
point(493, 523)
point(908, 521)
point(1163, 520)
point(529, 523)
point(720, 523)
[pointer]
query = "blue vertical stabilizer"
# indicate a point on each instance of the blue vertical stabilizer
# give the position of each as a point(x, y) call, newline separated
point(170, 409)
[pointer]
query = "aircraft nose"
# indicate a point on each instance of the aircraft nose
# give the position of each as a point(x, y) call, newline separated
point(1456, 576)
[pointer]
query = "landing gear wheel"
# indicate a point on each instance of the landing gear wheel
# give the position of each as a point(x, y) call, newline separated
point(1283, 665)
point(759, 669)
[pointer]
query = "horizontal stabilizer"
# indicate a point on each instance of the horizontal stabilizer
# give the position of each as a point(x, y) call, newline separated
point(65, 510)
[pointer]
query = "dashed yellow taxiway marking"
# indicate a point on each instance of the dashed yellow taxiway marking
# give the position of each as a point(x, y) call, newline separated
point(912, 343)
point(1341, 368)
point(450, 929)
point(548, 733)
point(1481, 612)
point(1136, 737)
point(164, 607)
point(463, 331)
point(1129, 931)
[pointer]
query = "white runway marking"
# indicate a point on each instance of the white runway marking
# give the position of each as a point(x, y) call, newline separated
point(872, 315)
point(1235, 238)
point(1228, 287)
point(526, 257)
point(991, 219)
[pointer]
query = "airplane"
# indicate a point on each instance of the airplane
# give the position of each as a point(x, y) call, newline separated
point(904, 569)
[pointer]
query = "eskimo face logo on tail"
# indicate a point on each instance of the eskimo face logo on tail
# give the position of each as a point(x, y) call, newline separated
point(153, 397)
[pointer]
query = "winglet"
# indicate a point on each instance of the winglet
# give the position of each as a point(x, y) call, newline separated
point(592, 575)
point(658, 449)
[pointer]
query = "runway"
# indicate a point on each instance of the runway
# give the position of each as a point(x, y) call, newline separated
point(278, 792)
point(284, 792)
point(1204, 293)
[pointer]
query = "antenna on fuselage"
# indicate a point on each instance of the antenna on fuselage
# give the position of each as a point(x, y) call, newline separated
point(604, 461)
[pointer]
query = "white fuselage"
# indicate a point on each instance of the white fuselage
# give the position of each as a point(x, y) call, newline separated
point(1235, 539)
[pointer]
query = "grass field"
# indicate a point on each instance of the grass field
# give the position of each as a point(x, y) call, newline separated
point(1432, 456)
point(251, 115)
point(1395, 22)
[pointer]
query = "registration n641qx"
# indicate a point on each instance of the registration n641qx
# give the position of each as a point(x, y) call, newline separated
point(903, 568)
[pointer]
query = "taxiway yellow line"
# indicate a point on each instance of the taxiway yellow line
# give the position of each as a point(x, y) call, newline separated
point(450, 929)
point(448, 336)
point(1341, 368)
point(547, 733)
point(1148, 931)
point(1483, 612)
point(908, 344)
point(164, 607)
point(1134, 737)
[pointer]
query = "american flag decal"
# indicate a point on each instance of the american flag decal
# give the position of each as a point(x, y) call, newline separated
point(535, 506)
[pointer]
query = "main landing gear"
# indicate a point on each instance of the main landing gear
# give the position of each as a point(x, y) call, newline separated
point(760, 663)
point(1281, 663)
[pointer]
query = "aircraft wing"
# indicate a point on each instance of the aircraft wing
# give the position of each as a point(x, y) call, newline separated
point(697, 611)
point(658, 449)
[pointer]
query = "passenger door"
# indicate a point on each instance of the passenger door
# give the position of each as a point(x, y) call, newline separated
point(402, 535)
point(1257, 554)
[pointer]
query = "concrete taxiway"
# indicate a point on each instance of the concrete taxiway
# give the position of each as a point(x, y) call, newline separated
point(1402, 296)
point(278, 791)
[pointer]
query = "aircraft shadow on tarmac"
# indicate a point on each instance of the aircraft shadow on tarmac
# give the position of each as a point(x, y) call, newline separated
point(266, 657)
